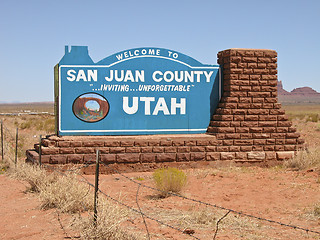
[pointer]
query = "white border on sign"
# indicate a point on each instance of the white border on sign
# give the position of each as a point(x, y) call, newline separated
point(139, 130)
point(130, 130)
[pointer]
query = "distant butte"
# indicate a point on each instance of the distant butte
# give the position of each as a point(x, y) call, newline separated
point(298, 95)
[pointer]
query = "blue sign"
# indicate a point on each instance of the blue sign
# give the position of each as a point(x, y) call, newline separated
point(133, 92)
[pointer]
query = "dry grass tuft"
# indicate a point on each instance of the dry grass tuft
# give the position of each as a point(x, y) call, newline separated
point(316, 210)
point(305, 159)
point(108, 223)
point(169, 180)
point(63, 192)
point(67, 194)
point(33, 174)
point(41, 123)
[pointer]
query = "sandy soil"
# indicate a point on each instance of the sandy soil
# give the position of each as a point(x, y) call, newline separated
point(276, 194)
point(20, 216)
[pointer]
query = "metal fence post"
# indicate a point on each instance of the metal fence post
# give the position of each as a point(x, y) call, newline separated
point(96, 187)
point(40, 150)
point(16, 156)
point(2, 153)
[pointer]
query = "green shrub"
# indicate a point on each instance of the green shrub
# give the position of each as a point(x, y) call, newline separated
point(169, 180)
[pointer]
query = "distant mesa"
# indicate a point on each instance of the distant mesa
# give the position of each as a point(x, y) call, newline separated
point(281, 91)
point(298, 95)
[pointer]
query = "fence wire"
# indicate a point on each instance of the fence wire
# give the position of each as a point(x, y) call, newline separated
point(9, 145)
point(190, 199)
point(119, 202)
point(214, 205)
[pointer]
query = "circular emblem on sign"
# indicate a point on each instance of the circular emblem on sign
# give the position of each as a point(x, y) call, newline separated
point(90, 107)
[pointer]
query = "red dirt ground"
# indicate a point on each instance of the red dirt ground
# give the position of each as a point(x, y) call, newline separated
point(276, 194)
point(20, 216)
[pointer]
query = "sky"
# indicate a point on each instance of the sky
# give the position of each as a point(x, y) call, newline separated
point(34, 33)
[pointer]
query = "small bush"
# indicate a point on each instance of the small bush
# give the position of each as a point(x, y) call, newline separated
point(169, 180)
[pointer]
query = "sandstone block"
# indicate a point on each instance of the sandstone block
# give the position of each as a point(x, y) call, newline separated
point(158, 149)
point(211, 148)
point(128, 158)
point(108, 158)
point(178, 142)
point(227, 155)
point(170, 149)
point(133, 149)
point(49, 151)
point(235, 124)
point(203, 142)
point(190, 143)
point(197, 148)
point(58, 159)
point(47, 143)
point(183, 157)
point(256, 155)
point(246, 148)
point(268, 147)
point(290, 147)
point(75, 158)
point(66, 150)
point(271, 156)
point(249, 59)
point(112, 143)
point(93, 143)
point(127, 143)
point(234, 148)
point(147, 157)
point(166, 143)
point(146, 149)
point(89, 158)
point(117, 150)
point(222, 148)
point(75, 144)
point(104, 150)
point(45, 159)
point(183, 149)
point(213, 156)
point(166, 157)
point(285, 155)
point(198, 156)
point(265, 60)
point(141, 143)
point(64, 144)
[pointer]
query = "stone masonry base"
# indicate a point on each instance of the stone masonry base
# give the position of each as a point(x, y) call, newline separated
point(145, 153)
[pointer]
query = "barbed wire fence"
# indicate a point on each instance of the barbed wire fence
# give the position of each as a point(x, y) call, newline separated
point(183, 231)
point(9, 145)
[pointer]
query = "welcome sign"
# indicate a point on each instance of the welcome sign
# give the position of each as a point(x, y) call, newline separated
point(134, 92)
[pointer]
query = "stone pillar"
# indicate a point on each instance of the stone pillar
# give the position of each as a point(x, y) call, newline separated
point(249, 120)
